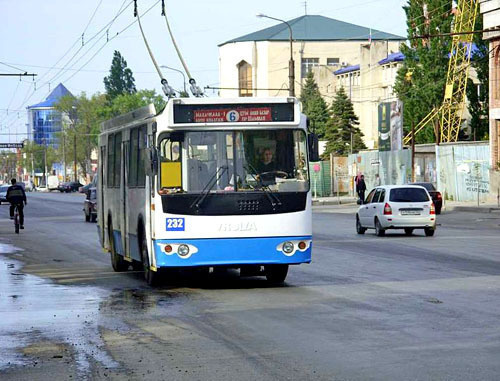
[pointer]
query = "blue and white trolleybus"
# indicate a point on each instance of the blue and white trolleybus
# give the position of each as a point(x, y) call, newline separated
point(207, 183)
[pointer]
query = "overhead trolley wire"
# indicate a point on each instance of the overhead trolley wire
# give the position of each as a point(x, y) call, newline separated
point(167, 89)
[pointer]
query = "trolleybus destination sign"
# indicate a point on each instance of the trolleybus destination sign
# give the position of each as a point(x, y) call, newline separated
point(233, 113)
point(261, 114)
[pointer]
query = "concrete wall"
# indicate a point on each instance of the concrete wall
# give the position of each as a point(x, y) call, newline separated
point(393, 167)
point(463, 170)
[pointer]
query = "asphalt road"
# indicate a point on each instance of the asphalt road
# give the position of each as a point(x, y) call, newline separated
point(367, 308)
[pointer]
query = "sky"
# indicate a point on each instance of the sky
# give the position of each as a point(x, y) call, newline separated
point(45, 37)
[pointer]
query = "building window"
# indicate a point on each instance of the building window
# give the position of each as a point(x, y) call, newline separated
point(307, 65)
point(496, 74)
point(245, 79)
point(332, 61)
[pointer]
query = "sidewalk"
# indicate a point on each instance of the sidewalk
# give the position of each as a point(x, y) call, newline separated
point(342, 200)
point(449, 206)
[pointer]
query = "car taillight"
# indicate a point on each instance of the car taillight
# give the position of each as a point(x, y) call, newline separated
point(433, 209)
point(387, 209)
point(438, 196)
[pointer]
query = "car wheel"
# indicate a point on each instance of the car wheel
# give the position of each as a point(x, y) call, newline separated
point(429, 232)
point(359, 229)
point(152, 277)
point(117, 261)
point(276, 274)
point(379, 231)
point(408, 231)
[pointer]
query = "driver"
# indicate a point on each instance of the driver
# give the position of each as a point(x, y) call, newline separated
point(267, 164)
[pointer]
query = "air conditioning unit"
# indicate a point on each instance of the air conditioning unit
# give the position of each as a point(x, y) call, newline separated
point(344, 64)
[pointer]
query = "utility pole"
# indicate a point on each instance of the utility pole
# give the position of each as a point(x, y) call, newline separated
point(74, 158)
point(413, 152)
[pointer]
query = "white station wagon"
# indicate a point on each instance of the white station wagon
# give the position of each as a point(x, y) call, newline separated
point(405, 207)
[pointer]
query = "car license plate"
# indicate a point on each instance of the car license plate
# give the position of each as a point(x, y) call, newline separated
point(410, 213)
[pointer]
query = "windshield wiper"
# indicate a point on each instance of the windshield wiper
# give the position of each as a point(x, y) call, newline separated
point(210, 184)
point(267, 191)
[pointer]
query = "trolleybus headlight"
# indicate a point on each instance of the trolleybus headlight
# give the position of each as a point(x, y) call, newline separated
point(288, 247)
point(183, 250)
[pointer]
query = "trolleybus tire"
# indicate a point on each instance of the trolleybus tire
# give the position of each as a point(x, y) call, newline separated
point(117, 261)
point(152, 277)
point(276, 274)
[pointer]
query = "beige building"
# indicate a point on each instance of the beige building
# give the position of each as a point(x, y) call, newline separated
point(257, 64)
point(490, 10)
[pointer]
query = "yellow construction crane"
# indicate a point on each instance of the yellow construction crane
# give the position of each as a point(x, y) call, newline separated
point(447, 118)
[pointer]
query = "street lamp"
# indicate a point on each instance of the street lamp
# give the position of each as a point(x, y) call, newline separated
point(180, 71)
point(291, 63)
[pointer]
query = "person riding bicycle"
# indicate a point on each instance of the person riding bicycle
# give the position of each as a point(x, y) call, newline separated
point(16, 197)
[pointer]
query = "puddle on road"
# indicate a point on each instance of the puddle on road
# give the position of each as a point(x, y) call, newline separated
point(34, 309)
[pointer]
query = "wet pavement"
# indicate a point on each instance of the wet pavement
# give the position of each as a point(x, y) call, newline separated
point(33, 309)
point(367, 307)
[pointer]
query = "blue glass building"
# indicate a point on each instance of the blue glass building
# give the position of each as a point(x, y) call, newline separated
point(44, 121)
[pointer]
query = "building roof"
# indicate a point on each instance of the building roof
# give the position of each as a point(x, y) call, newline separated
point(347, 69)
point(393, 57)
point(316, 28)
point(53, 97)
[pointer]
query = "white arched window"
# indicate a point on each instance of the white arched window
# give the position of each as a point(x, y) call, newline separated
point(245, 79)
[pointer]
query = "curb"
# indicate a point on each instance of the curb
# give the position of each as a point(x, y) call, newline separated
point(333, 202)
point(472, 209)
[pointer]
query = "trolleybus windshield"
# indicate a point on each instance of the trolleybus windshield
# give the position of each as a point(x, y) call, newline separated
point(234, 161)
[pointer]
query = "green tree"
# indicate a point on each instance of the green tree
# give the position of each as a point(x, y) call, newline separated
point(342, 126)
point(478, 97)
point(128, 102)
point(421, 79)
point(120, 79)
point(314, 106)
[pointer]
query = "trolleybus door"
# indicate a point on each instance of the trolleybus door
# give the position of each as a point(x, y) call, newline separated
point(100, 201)
point(124, 198)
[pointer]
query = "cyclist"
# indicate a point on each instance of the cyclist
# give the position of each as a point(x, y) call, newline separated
point(16, 197)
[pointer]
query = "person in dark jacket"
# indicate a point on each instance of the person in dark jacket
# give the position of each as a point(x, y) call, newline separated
point(16, 196)
point(361, 189)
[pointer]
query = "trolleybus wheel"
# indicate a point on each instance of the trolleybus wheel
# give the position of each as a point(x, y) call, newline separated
point(117, 261)
point(152, 277)
point(276, 274)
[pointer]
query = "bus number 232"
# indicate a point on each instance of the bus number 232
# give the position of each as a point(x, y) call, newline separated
point(175, 224)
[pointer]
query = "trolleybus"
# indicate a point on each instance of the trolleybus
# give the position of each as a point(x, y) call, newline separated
point(208, 183)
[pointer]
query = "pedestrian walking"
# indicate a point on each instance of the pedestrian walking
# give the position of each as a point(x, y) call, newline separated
point(361, 189)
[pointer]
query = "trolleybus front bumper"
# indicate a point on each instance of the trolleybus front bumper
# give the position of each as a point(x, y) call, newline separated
point(232, 251)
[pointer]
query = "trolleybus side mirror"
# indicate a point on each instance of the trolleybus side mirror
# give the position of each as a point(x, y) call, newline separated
point(313, 145)
point(152, 166)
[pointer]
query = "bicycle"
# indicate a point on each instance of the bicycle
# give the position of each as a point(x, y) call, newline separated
point(16, 219)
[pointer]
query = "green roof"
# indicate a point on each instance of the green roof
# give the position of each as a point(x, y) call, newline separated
point(316, 28)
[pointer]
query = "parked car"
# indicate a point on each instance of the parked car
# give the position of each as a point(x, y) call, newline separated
point(3, 193)
point(92, 184)
point(90, 205)
point(437, 198)
point(405, 207)
point(69, 186)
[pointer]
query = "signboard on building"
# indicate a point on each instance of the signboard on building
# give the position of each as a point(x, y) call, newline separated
point(390, 126)
point(11, 145)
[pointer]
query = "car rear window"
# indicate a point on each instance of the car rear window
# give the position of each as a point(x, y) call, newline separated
point(408, 195)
